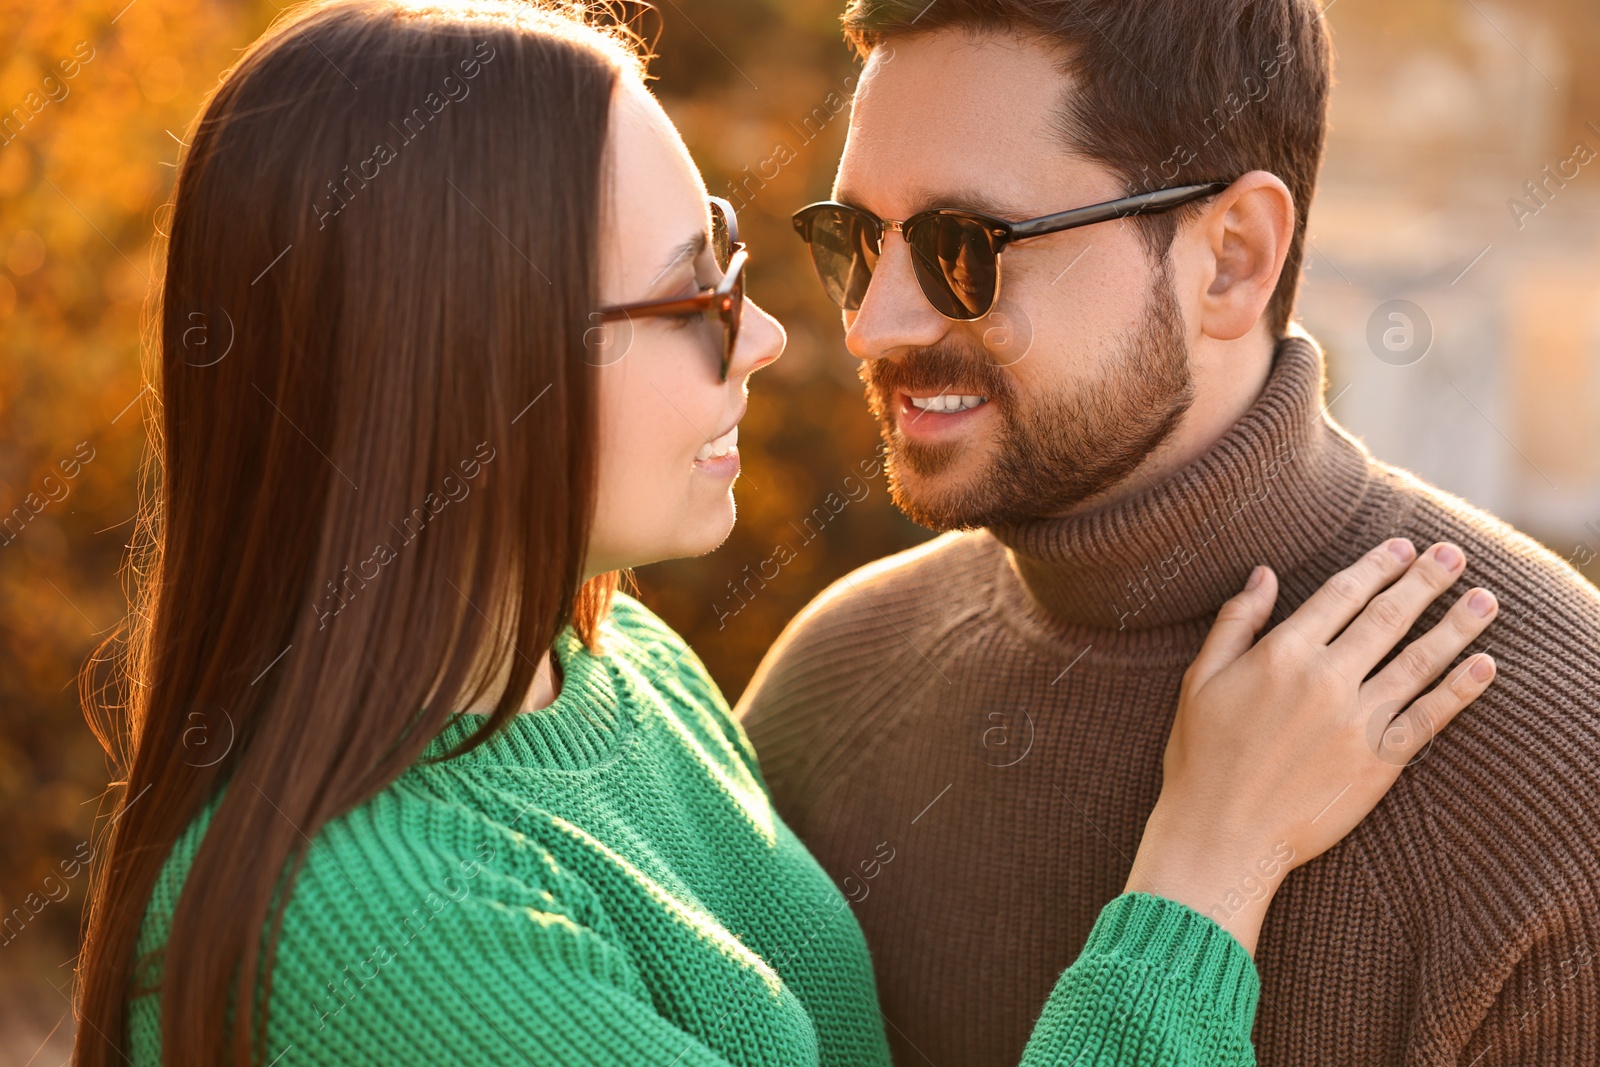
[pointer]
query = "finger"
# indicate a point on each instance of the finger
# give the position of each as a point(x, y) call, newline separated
point(1385, 620)
point(1411, 731)
point(1341, 597)
point(1241, 617)
point(1425, 658)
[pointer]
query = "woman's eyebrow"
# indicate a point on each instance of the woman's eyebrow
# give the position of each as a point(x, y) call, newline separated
point(689, 250)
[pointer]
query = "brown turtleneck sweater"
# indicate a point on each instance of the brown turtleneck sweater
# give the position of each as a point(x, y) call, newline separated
point(994, 705)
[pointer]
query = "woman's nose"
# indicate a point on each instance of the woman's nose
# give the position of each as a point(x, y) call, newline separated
point(761, 340)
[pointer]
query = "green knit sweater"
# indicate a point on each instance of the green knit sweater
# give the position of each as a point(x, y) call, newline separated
point(605, 882)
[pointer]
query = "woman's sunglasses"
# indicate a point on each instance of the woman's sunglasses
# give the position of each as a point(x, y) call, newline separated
point(723, 301)
point(955, 254)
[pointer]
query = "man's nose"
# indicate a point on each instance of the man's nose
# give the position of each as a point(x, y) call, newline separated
point(894, 315)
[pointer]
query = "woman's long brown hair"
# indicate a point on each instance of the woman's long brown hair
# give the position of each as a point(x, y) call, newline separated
point(373, 461)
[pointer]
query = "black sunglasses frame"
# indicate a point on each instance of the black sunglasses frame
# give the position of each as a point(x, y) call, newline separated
point(723, 301)
point(1001, 232)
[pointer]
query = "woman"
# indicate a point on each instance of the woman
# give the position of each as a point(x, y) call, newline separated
point(396, 750)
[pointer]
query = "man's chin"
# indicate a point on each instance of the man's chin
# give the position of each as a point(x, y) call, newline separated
point(940, 486)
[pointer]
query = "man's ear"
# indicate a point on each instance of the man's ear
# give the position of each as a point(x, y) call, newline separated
point(1236, 251)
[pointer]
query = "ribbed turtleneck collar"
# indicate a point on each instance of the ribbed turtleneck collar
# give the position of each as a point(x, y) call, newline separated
point(1273, 489)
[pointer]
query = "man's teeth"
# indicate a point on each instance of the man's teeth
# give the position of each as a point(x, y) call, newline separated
point(947, 402)
point(719, 447)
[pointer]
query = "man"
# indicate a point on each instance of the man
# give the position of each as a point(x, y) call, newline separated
point(1128, 425)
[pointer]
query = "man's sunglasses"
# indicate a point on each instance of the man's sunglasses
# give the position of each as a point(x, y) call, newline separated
point(723, 301)
point(955, 254)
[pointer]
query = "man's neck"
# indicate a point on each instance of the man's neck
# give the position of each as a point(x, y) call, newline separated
point(1272, 487)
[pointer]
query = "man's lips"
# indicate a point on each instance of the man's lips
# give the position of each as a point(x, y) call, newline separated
point(932, 422)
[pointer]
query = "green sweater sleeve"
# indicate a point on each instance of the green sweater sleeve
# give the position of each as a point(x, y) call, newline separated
point(1157, 985)
point(503, 983)
point(490, 982)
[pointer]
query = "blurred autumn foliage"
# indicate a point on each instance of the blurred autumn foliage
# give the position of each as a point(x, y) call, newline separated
point(86, 100)
point(94, 98)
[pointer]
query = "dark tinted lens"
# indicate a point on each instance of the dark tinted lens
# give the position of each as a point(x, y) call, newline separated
point(844, 251)
point(731, 322)
point(721, 241)
point(955, 265)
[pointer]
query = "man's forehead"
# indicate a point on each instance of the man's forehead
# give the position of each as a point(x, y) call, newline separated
point(987, 86)
point(1021, 182)
point(956, 121)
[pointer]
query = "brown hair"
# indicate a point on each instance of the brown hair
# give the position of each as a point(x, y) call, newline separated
point(369, 513)
point(1167, 92)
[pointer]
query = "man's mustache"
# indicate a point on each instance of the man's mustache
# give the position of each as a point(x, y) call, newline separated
point(939, 368)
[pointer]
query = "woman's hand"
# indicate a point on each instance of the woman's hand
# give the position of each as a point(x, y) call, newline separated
point(1280, 747)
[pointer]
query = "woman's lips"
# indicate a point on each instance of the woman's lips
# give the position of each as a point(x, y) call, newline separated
point(720, 455)
point(718, 445)
point(723, 466)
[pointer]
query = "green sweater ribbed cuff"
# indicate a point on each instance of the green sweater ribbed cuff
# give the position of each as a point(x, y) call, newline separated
point(1157, 985)
point(1184, 945)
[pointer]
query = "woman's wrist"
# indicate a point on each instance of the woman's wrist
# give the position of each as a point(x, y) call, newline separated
point(1230, 882)
point(1242, 921)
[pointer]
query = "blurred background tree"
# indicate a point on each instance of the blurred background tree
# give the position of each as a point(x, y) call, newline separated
point(758, 88)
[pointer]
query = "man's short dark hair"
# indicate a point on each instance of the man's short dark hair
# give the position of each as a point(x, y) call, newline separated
point(1168, 92)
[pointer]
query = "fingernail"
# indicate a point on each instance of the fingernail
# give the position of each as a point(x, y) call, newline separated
point(1481, 603)
point(1256, 577)
point(1482, 668)
point(1449, 556)
point(1402, 549)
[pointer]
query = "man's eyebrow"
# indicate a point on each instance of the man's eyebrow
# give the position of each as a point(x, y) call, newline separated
point(965, 199)
point(971, 200)
point(689, 250)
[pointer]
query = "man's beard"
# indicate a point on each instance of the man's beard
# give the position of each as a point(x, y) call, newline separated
point(1057, 451)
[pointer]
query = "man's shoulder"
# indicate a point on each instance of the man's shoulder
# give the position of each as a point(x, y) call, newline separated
point(922, 589)
point(838, 655)
point(1546, 637)
point(1539, 590)
point(1513, 778)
